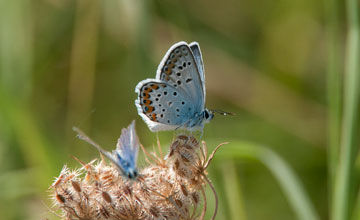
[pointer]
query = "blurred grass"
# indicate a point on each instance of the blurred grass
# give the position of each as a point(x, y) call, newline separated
point(345, 178)
point(67, 63)
point(334, 85)
point(290, 183)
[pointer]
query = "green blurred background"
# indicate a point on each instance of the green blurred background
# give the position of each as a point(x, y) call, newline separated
point(67, 63)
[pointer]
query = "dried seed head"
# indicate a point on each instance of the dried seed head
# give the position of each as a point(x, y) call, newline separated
point(104, 212)
point(183, 190)
point(167, 188)
point(179, 203)
point(58, 181)
point(87, 177)
point(184, 159)
point(194, 142)
point(76, 186)
point(154, 212)
point(60, 198)
point(106, 197)
point(171, 153)
point(127, 190)
point(195, 197)
point(183, 137)
point(177, 164)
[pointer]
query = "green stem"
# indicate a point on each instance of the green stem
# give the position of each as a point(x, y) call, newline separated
point(343, 190)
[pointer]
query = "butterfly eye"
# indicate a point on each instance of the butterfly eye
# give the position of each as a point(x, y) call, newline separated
point(206, 114)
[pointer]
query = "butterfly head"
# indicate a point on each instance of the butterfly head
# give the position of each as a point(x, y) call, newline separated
point(131, 173)
point(208, 115)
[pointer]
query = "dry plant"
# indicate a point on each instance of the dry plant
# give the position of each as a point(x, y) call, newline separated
point(170, 187)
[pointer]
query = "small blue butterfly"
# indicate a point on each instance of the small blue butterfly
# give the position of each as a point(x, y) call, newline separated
point(125, 154)
point(176, 97)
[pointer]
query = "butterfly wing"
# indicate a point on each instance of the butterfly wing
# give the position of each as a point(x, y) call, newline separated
point(110, 156)
point(126, 151)
point(179, 74)
point(128, 144)
point(162, 106)
point(195, 48)
point(180, 69)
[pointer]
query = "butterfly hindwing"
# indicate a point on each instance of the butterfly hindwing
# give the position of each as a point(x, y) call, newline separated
point(164, 104)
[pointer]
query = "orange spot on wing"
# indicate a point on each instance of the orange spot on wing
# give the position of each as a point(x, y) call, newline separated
point(147, 102)
point(146, 92)
point(154, 86)
point(146, 95)
point(150, 109)
point(153, 117)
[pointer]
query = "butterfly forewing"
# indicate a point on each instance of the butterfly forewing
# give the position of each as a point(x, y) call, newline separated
point(195, 48)
point(179, 69)
point(128, 145)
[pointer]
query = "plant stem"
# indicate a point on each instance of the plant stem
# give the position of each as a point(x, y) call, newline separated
point(215, 195)
point(343, 195)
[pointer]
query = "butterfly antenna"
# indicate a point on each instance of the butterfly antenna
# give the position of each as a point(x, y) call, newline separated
point(223, 112)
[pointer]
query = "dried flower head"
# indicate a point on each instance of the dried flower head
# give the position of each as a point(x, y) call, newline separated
point(167, 188)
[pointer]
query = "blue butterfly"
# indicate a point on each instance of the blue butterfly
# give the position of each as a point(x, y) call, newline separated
point(125, 154)
point(176, 97)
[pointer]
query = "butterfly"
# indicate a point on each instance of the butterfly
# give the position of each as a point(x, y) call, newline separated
point(176, 97)
point(124, 157)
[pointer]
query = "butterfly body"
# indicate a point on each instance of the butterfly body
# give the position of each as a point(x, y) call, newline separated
point(176, 97)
